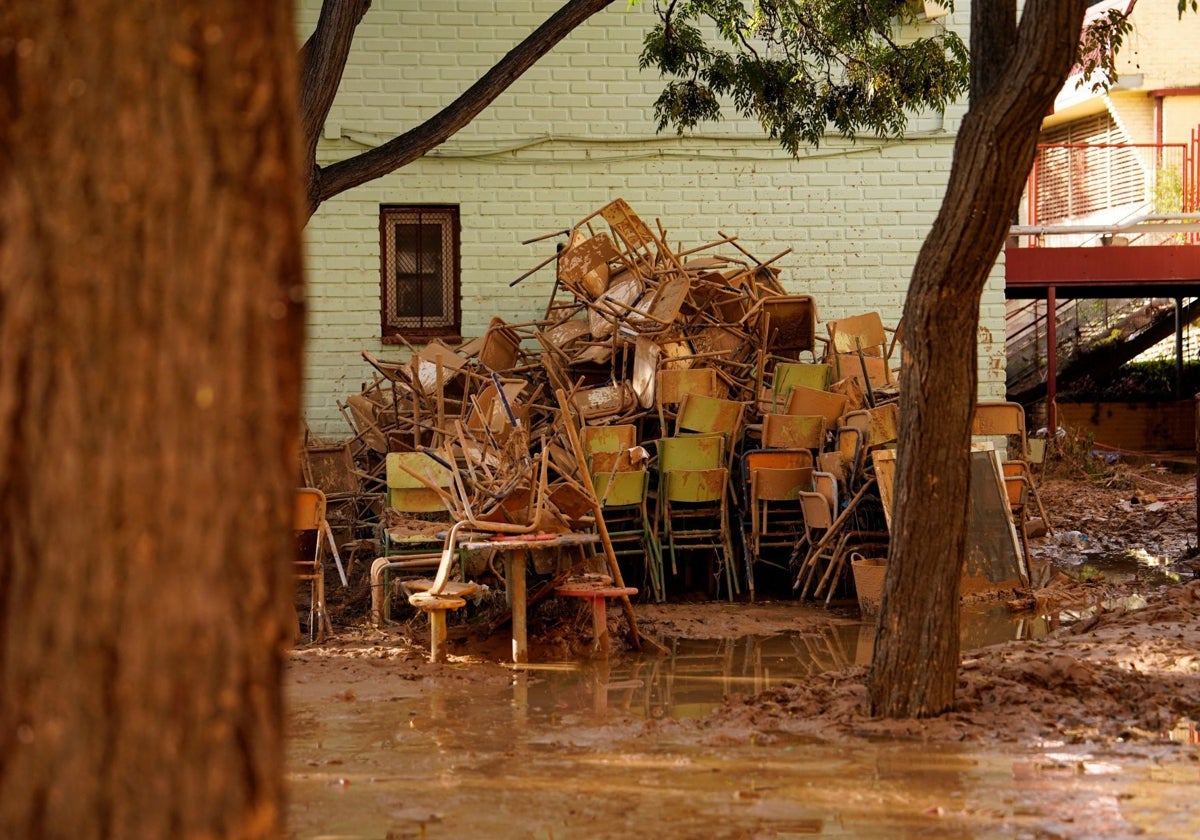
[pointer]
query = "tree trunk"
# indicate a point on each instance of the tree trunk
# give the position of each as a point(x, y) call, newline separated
point(1018, 71)
point(151, 209)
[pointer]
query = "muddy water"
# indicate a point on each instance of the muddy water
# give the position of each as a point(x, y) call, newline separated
point(587, 750)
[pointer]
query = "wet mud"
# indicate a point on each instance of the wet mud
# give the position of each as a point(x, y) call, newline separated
point(1075, 718)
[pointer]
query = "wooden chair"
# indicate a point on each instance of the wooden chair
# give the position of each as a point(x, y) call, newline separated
point(776, 519)
point(793, 431)
point(623, 500)
point(810, 401)
point(788, 375)
point(695, 517)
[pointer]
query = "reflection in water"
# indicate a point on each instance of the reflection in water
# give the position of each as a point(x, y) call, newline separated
point(589, 750)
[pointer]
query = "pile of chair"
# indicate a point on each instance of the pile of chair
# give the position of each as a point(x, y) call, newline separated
point(712, 421)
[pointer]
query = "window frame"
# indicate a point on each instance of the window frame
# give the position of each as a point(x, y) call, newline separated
point(448, 217)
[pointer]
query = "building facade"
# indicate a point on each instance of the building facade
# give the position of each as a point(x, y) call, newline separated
point(574, 133)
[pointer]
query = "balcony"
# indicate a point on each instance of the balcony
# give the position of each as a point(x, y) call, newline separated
point(1108, 220)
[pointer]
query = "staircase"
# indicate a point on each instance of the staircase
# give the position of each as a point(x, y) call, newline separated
point(1094, 338)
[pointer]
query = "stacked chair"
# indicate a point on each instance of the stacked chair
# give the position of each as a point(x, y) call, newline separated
point(622, 484)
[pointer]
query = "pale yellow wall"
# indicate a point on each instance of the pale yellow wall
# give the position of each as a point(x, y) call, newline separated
point(576, 132)
point(1163, 48)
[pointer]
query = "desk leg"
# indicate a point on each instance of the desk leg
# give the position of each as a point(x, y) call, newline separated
point(514, 579)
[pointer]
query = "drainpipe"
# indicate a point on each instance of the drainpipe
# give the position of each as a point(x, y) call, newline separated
point(1051, 362)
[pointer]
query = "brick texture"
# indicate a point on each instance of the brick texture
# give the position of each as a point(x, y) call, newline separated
point(574, 133)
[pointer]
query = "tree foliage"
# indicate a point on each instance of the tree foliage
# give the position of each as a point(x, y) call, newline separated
point(800, 66)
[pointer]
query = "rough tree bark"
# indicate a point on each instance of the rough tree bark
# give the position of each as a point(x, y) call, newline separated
point(151, 209)
point(1017, 69)
point(324, 60)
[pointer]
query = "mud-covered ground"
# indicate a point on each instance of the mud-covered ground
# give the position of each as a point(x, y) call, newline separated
point(1125, 664)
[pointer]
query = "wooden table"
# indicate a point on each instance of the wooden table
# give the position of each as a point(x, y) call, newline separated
point(516, 548)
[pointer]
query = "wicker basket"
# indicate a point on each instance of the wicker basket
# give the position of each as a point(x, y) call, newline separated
point(868, 581)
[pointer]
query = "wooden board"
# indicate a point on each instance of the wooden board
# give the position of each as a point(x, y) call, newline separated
point(994, 558)
point(885, 476)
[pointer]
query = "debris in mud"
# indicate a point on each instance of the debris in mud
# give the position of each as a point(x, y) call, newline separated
point(1125, 674)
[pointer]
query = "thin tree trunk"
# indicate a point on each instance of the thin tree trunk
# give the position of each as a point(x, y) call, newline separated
point(151, 209)
point(916, 655)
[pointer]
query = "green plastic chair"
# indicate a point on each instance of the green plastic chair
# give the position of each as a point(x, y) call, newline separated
point(623, 498)
point(790, 374)
point(695, 518)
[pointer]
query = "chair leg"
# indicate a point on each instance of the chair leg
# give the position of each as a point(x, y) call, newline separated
point(322, 616)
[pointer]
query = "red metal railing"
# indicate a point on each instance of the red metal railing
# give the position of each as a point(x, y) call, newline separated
point(1072, 181)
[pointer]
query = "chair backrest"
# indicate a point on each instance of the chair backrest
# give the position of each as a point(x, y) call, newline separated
point(696, 486)
point(676, 383)
point(815, 509)
point(756, 459)
point(308, 520)
point(495, 410)
point(690, 452)
point(608, 438)
point(858, 332)
point(810, 401)
point(850, 366)
point(621, 489)
point(407, 492)
point(827, 485)
point(778, 485)
point(709, 415)
point(788, 323)
point(310, 509)
point(793, 431)
point(885, 424)
point(790, 374)
point(1001, 419)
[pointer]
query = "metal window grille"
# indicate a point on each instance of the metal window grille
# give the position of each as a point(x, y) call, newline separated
point(420, 277)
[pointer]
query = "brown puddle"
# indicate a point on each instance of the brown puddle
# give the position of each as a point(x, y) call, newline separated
point(589, 750)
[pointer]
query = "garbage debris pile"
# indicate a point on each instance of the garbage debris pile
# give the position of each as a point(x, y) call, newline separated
point(678, 403)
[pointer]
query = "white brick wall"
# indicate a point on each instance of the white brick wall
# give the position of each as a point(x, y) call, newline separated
point(574, 133)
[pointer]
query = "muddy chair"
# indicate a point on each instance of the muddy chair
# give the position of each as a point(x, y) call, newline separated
point(776, 520)
point(1007, 419)
point(623, 496)
point(309, 523)
point(695, 518)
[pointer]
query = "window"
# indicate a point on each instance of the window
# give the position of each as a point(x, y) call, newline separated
point(419, 293)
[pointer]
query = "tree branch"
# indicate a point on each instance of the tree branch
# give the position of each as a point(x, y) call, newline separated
point(322, 62)
point(395, 153)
